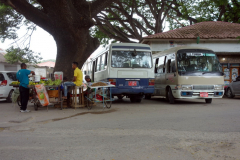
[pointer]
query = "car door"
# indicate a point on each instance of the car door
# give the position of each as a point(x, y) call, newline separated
point(236, 86)
point(1, 78)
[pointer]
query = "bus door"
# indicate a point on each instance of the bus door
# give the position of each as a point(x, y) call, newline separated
point(157, 81)
point(162, 76)
point(170, 76)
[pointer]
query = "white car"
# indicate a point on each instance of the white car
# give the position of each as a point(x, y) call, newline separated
point(6, 78)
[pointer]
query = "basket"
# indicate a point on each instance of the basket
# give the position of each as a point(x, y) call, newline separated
point(52, 93)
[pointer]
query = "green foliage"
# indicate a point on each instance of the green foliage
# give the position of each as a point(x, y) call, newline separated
point(10, 22)
point(15, 55)
point(188, 12)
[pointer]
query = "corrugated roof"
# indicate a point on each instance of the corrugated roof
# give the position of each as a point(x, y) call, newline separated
point(47, 64)
point(205, 30)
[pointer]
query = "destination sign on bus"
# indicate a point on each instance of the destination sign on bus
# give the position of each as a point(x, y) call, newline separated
point(201, 54)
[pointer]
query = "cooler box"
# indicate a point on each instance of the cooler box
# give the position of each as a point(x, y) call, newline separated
point(58, 75)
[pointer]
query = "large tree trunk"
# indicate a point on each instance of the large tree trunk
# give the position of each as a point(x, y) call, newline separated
point(73, 47)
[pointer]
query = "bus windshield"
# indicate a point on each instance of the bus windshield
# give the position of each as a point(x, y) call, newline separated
point(131, 59)
point(198, 62)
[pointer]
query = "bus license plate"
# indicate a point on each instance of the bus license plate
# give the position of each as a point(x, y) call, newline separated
point(132, 83)
point(203, 94)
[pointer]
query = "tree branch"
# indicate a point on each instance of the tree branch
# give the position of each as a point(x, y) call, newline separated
point(98, 5)
point(179, 14)
point(30, 12)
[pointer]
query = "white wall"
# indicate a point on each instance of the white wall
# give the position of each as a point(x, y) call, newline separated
point(2, 68)
point(41, 71)
point(216, 46)
point(10, 67)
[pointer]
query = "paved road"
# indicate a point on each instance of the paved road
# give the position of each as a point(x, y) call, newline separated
point(151, 130)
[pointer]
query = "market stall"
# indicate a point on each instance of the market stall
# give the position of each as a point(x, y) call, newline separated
point(53, 89)
point(99, 92)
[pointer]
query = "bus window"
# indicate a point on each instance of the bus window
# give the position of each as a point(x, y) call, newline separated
point(103, 62)
point(156, 64)
point(168, 65)
point(161, 67)
point(131, 59)
point(96, 63)
point(89, 68)
point(173, 67)
point(106, 60)
point(84, 69)
point(99, 63)
point(169, 58)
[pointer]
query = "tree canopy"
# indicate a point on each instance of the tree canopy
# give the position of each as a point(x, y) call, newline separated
point(79, 25)
point(68, 21)
point(129, 20)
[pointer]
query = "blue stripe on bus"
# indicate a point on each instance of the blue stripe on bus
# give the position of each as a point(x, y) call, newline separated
point(131, 47)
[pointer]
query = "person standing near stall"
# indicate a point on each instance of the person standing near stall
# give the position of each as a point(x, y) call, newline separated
point(22, 76)
point(77, 79)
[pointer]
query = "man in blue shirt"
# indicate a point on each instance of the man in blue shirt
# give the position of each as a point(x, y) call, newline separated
point(22, 76)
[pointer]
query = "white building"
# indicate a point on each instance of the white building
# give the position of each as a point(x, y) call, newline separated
point(221, 37)
point(44, 71)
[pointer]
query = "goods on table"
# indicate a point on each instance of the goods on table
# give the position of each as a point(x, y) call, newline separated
point(99, 84)
point(50, 82)
point(42, 94)
point(15, 83)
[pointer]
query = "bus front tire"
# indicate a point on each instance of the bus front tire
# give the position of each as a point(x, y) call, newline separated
point(171, 99)
point(229, 93)
point(208, 100)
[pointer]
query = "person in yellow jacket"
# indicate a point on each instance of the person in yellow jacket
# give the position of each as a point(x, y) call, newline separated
point(77, 79)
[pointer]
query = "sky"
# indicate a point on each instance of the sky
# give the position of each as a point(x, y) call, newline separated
point(41, 42)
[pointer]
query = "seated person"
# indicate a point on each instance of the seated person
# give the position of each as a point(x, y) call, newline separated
point(77, 79)
point(88, 79)
point(204, 67)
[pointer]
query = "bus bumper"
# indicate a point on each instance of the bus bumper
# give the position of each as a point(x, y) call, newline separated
point(195, 94)
point(132, 90)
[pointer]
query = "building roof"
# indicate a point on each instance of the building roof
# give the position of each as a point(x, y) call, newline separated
point(47, 64)
point(205, 30)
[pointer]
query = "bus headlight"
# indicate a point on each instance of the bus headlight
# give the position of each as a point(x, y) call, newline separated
point(186, 87)
point(218, 87)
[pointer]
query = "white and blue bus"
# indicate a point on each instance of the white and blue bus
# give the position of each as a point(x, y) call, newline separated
point(128, 66)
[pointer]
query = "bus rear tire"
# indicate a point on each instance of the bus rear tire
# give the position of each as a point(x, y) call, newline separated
point(148, 96)
point(120, 97)
point(208, 100)
point(137, 99)
point(171, 99)
point(133, 99)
